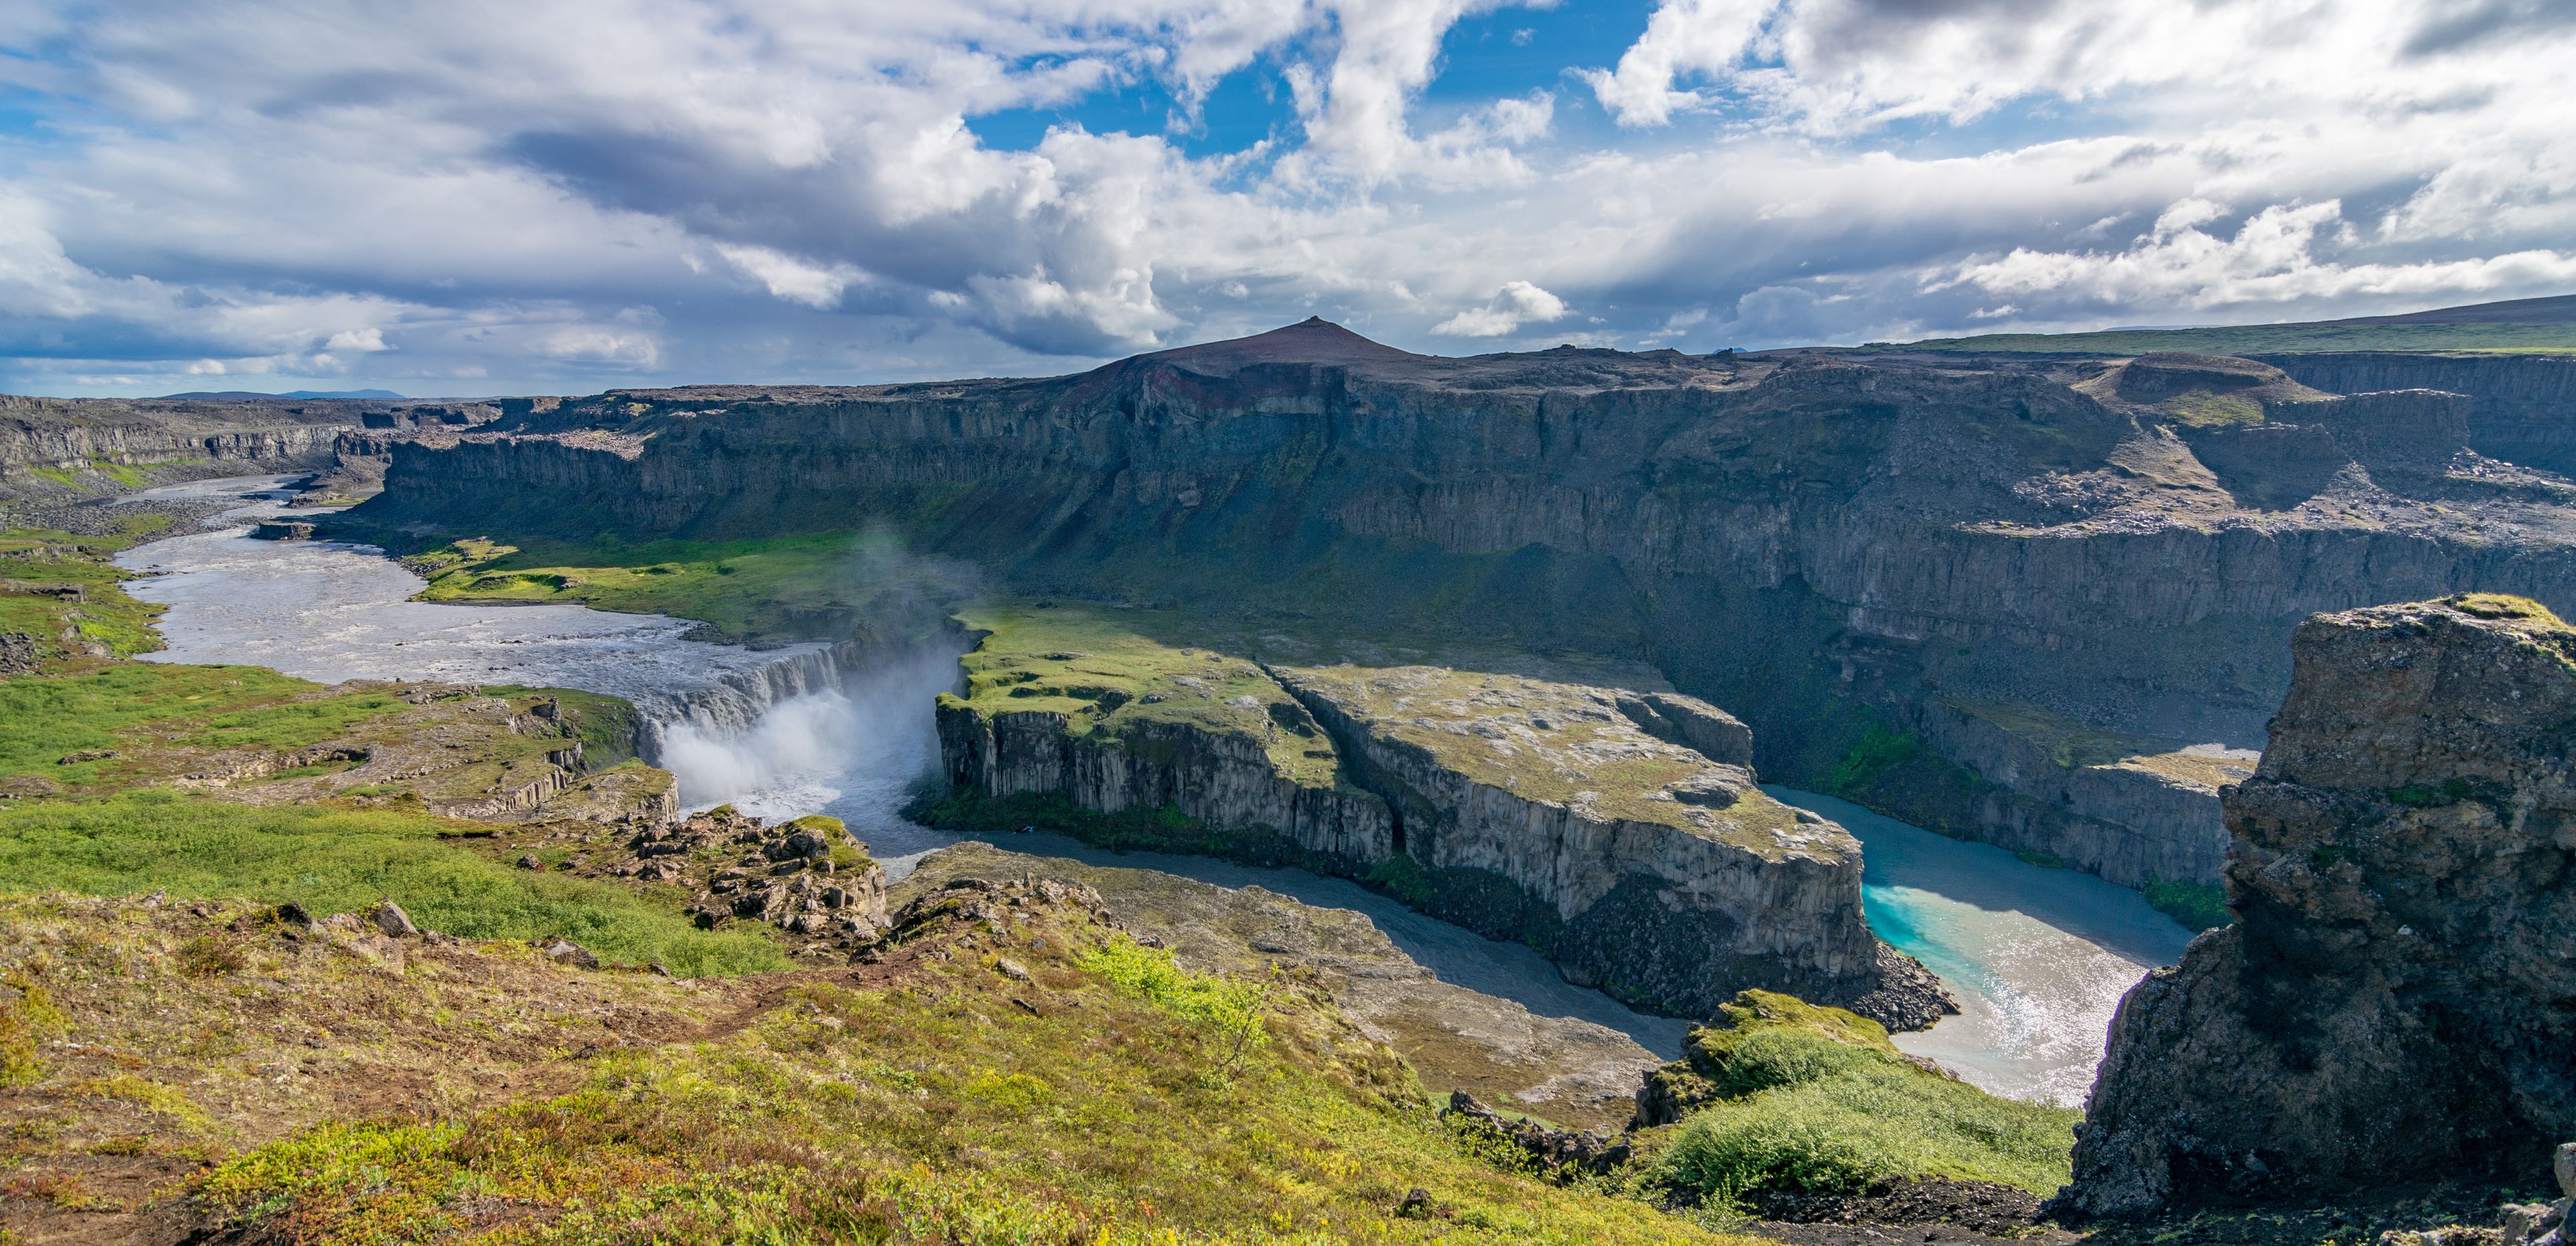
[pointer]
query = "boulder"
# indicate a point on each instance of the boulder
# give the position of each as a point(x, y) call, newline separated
point(567, 952)
point(390, 918)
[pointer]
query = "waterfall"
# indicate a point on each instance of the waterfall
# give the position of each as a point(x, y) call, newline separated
point(819, 726)
point(732, 705)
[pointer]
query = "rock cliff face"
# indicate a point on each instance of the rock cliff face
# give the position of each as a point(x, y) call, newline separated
point(2128, 810)
point(1780, 534)
point(1544, 812)
point(2518, 403)
point(1566, 817)
point(2398, 996)
point(1225, 780)
point(70, 432)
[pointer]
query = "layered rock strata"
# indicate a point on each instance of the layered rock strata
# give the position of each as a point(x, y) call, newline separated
point(1523, 809)
point(73, 433)
point(1173, 748)
point(2398, 997)
point(1545, 812)
point(2519, 403)
point(2126, 548)
point(2132, 811)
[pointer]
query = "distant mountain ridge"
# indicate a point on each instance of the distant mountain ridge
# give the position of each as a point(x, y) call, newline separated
point(2544, 326)
point(2560, 309)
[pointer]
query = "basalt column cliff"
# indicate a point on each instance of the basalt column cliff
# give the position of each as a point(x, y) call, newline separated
point(2040, 602)
point(2398, 997)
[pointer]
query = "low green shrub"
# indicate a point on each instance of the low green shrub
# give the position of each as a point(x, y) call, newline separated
point(1816, 1100)
point(2198, 906)
point(1874, 753)
point(1402, 877)
point(1229, 1007)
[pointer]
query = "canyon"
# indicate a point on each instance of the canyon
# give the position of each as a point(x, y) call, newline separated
point(1463, 739)
point(2041, 601)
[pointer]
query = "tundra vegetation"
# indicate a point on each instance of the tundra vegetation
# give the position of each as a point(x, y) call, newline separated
point(1041, 1077)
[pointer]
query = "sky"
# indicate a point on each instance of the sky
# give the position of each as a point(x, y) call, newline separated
point(475, 197)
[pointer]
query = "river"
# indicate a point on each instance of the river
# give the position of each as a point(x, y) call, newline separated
point(2037, 957)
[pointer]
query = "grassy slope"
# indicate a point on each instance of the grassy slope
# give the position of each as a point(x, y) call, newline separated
point(773, 589)
point(1817, 1100)
point(2258, 339)
point(935, 1098)
point(35, 557)
point(117, 830)
point(122, 705)
point(336, 860)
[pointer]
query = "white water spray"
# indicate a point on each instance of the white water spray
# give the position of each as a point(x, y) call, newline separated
point(862, 744)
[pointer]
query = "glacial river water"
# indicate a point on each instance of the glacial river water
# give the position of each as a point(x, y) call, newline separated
point(2037, 957)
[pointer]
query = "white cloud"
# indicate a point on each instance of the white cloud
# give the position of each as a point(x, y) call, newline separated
point(1516, 304)
point(790, 278)
point(1683, 37)
point(585, 345)
point(2271, 259)
point(487, 189)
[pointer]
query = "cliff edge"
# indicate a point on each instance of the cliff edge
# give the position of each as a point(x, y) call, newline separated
point(2397, 1000)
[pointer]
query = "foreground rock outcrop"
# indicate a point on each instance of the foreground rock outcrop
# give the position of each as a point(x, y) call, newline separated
point(2397, 1001)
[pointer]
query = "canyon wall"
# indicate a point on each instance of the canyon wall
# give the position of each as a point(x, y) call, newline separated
point(2397, 999)
point(1223, 779)
point(69, 432)
point(1551, 814)
point(2520, 403)
point(1565, 817)
point(1815, 542)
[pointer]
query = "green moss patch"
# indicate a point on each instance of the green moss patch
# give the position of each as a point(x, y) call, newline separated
point(1542, 740)
point(125, 705)
point(816, 586)
point(53, 580)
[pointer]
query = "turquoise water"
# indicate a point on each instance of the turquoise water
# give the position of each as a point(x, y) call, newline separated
point(2038, 958)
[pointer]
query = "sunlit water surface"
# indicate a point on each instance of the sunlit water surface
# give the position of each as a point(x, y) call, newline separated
point(2037, 957)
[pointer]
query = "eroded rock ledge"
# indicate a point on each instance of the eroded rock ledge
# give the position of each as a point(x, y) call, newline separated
point(1547, 812)
point(2398, 996)
point(1579, 820)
